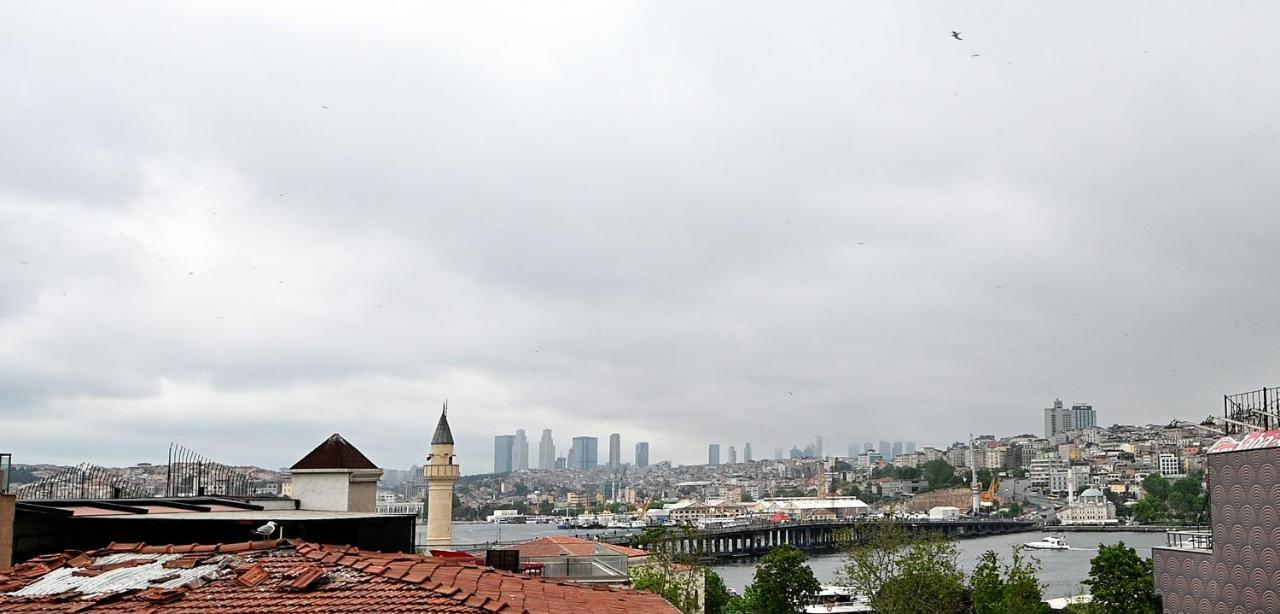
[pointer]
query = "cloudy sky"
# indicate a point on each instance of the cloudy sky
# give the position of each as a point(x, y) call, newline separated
point(243, 228)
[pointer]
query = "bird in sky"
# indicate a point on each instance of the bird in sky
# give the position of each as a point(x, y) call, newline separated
point(266, 530)
point(324, 107)
point(280, 195)
point(862, 242)
point(976, 55)
point(956, 35)
point(191, 272)
point(791, 393)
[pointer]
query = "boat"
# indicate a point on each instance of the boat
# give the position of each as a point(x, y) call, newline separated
point(1051, 542)
point(564, 526)
point(838, 599)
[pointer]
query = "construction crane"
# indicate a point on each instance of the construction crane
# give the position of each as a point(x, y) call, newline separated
point(989, 497)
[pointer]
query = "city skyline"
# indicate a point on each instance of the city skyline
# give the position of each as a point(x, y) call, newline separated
point(651, 225)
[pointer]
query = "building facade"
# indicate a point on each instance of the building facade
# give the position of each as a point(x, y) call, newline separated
point(642, 454)
point(520, 452)
point(504, 447)
point(546, 451)
point(615, 451)
point(713, 454)
point(584, 453)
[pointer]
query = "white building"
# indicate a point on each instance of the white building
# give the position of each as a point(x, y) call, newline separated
point(1091, 508)
point(1169, 465)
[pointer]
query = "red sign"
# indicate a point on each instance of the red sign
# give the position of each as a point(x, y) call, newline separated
point(1251, 441)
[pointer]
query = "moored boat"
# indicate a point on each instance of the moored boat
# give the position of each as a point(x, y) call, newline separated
point(1051, 542)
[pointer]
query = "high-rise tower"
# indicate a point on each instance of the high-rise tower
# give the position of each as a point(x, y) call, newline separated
point(746, 453)
point(615, 451)
point(546, 451)
point(520, 453)
point(642, 454)
point(441, 474)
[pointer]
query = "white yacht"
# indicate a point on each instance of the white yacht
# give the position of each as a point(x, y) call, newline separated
point(838, 600)
point(1051, 542)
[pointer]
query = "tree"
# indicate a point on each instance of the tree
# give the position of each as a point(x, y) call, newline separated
point(939, 474)
point(984, 477)
point(1018, 591)
point(1156, 486)
point(903, 573)
point(1186, 497)
point(1017, 472)
point(545, 508)
point(1122, 582)
point(668, 572)
point(717, 594)
point(906, 473)
point(783, 583)
point(1149, 510)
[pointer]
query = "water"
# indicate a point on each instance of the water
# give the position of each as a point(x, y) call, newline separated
point(480, 534)
point(1062, 571)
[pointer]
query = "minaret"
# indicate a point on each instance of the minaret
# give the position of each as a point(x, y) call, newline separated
point(973, 472)
point(441, 473)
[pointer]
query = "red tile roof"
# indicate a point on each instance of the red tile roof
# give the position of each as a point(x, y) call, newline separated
point(335, 453)
point(276, 576)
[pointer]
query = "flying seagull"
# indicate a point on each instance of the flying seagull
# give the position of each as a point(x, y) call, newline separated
point(791, 393)
point(956, 35)
point(266, 530)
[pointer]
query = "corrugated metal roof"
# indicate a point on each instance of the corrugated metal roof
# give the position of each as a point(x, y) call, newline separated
point(116, 580)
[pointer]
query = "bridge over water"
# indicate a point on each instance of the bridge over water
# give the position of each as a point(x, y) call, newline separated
point(757, 537)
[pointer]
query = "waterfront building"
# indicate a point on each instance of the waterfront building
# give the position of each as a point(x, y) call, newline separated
point(1233, 566)
point(746, 453)
point(733, 455)
point(503, 453)
point(1090, 508)
point(615, 450)
point(441, 473)
point(713, 454)
point(584, 450)
point(520, 452)
point(546, 451)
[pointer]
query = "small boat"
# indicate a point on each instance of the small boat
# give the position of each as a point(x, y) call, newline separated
point(564, 526)
point(1051, 542)
point(838, 600)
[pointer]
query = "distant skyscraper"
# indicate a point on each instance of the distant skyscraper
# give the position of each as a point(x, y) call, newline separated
point(817, 447)
point(746, 453)
point(546, 451)
point(733, 455)
point(1083, 416)
point(1057, 419)
point(521, 452)
point(885, 448)
point(897, 449)
point(910, 448)
point(586, 452)
point(615, 451)
point(503, 453)
point(867, 447)
point(713, 454)
point(642, 454)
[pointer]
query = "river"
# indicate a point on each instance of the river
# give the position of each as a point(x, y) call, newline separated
point(1062, 571)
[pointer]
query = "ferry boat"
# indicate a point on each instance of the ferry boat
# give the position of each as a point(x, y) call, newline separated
point(1051, 542)
point(838, 600)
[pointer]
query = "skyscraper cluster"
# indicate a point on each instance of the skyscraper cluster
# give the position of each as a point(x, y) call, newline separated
point(511, 453)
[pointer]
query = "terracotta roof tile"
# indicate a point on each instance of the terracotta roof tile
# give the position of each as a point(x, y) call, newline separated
point(288, 578)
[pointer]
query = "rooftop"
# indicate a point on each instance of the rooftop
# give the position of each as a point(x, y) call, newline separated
point(334, 453)
point(293, 576)
point(564, 545)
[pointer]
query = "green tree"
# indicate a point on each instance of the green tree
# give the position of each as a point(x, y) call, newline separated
point(906, 574)
point(1122, 582)
point(783, 583)
point(1149, 510)
point(1186, 497)
point(669, 572)
point(545, 508)
point(1017, 591)
point(939, 474)
point(984, 477)
point(1017, 472)
point(717, 594)
point(1156, 486)
point(906, 473)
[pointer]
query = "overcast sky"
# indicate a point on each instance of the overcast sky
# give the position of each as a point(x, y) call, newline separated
point(243, 228)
